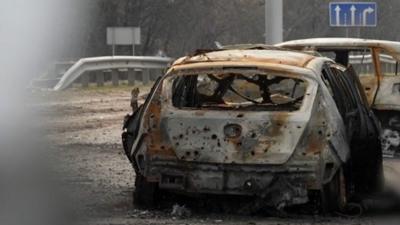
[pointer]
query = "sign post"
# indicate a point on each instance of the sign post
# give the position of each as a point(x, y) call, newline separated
point(123, 36)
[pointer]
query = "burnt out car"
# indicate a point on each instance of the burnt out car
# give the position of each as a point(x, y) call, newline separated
point(377, 64)
point(271, 124)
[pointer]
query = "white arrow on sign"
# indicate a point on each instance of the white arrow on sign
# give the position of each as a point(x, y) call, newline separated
point(337, 10)
point(353, 15)
point(366, 11)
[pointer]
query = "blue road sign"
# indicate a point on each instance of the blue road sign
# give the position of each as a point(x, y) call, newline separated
point(353, 14)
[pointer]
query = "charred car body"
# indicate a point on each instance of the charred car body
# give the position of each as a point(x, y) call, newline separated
point(273, 124)
point(377, 64)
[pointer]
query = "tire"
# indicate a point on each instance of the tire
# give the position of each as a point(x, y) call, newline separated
point(333, 194)
point(145, 194)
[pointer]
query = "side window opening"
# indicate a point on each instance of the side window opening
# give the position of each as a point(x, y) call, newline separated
point(362, 62)
point(389, 65)
point(342, 57)
point(360, 59)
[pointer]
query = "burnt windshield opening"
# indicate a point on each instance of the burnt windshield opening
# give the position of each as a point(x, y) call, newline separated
point(237, 91)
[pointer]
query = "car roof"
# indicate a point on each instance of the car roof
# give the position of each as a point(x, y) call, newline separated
point(272, 56)
point(390, 46)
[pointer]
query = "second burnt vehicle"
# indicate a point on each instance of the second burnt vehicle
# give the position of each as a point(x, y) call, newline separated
point(377, 64)
point(279, 126)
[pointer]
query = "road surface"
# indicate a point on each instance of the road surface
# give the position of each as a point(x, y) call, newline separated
point(83, 128)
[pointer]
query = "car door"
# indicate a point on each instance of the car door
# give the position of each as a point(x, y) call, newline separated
point(131, 126)
point(344, 99)
point(364, 61)
point(362, 128)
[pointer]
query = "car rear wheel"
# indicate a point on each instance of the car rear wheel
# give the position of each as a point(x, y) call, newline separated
point(145, 193)
point(333, 194)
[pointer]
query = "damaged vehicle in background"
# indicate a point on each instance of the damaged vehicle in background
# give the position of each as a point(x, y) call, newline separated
point(279, 126)
point(377, 64)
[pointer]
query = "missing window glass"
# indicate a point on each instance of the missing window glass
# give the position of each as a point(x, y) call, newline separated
point(239, 91)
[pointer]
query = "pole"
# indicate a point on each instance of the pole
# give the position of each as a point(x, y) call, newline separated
point(273, 21)
point(133, 41)
point(113, 41)
point(347, 27)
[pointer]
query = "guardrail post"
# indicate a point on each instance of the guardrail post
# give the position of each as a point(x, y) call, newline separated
point(100, 78)
point(152, 74)
point(131, 77)
point(139, 75)
point(114, 77)
point(145, 76)
point(85, 80)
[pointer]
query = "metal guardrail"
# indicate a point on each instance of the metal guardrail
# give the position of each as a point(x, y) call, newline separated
point(357, 59)
point(133, 64)
point(131, 68)
point(364, 64)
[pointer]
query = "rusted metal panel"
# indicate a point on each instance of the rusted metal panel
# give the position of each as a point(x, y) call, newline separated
point(273, 57)
point(392, 46)
point(198, 135)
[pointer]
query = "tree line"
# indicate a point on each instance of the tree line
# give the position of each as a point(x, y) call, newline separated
point(178, 27)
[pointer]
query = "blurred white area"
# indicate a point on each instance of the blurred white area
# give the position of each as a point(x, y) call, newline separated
point(33, 34)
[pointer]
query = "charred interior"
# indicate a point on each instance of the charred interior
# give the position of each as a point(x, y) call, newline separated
point(230, 90)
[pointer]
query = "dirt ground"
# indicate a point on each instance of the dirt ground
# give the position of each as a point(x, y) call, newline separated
point(84, 127)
